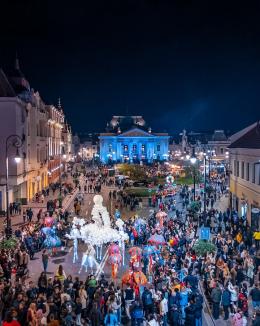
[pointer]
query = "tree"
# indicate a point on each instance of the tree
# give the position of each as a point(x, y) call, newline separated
point(134, 171)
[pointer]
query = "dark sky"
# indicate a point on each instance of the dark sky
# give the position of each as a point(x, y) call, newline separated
point(191, 64)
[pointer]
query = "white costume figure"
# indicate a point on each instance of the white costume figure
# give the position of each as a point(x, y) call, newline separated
point(75, 250)
point(75, 235)
point(98, 232)
point(88, 259)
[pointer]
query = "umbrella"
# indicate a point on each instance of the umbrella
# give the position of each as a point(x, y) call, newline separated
point(113, 249)
point(149, 250)
point(115, 259)
point(140, 278)
point(135, 251)
point(139, 221)
point(45, 230)
point(48, 221)
point(161, 214)
point(157, 239)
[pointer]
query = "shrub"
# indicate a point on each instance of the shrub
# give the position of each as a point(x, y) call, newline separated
point(202, 247)
point(8, 243)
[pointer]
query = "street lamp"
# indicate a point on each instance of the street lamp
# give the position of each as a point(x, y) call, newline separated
point(17, 157)
point(193, 160)
point(11, 141)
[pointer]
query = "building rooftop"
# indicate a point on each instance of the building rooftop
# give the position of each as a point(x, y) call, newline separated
point(250, 139)
point(219, 135)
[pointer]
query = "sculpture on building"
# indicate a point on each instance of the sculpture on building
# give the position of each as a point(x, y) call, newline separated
point(184, 141)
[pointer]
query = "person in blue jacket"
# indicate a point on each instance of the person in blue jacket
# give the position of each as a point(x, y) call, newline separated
point(111, 318)
point(184, 298)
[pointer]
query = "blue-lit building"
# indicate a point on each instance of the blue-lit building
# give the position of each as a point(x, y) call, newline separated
point(129, 140)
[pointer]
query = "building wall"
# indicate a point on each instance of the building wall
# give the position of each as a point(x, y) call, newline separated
point(40, 127)
point(13, 122)
point(55, 144)
point(245, 181)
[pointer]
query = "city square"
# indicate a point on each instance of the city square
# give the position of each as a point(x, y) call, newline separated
point(130, 165)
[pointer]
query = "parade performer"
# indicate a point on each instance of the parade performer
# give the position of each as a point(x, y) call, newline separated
point(52, 241)
point(88, 259)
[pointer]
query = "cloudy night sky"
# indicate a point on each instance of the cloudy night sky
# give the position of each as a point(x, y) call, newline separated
point(189, 64)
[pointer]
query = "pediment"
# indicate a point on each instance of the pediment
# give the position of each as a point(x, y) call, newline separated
point(135, 132)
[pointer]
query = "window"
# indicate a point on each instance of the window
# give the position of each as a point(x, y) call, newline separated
point(242, 169)
point(253, 173)
point(158, 148)
point(38, 155)
point(125, 148)
point(110, 148)
point(134, 148)
point(143, 148)
point(234, 168)
point(247, 171)
point(237, 168)
point(221, 150)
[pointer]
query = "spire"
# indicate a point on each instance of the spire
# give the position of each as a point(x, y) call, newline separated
point(59, 104)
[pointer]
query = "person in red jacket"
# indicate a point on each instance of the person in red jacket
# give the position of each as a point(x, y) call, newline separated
point(10, 321)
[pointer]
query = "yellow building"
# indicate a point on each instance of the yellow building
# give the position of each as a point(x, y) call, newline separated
point(244, 154)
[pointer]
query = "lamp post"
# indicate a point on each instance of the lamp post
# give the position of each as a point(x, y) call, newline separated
point(62, 155)
point(205, 184)
point(11, 141)
point(193, 160)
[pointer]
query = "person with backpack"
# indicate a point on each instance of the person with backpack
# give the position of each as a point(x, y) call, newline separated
point(226, 302)
point(137, 314)
point(148, 302)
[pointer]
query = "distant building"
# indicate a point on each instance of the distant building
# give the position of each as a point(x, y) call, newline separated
point(218, 144)
point(244, 152)
point(128, 139)
point(89, 150)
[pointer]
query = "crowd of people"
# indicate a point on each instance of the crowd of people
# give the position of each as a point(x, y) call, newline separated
point(180, 280)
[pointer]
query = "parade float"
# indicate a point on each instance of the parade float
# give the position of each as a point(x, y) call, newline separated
point(95, 234)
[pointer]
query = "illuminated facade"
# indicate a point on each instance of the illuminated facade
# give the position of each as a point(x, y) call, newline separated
point(128, 140)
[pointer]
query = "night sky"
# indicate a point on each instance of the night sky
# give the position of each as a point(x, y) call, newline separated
point(180, 64)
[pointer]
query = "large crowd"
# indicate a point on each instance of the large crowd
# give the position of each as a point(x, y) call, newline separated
point(180, 280)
